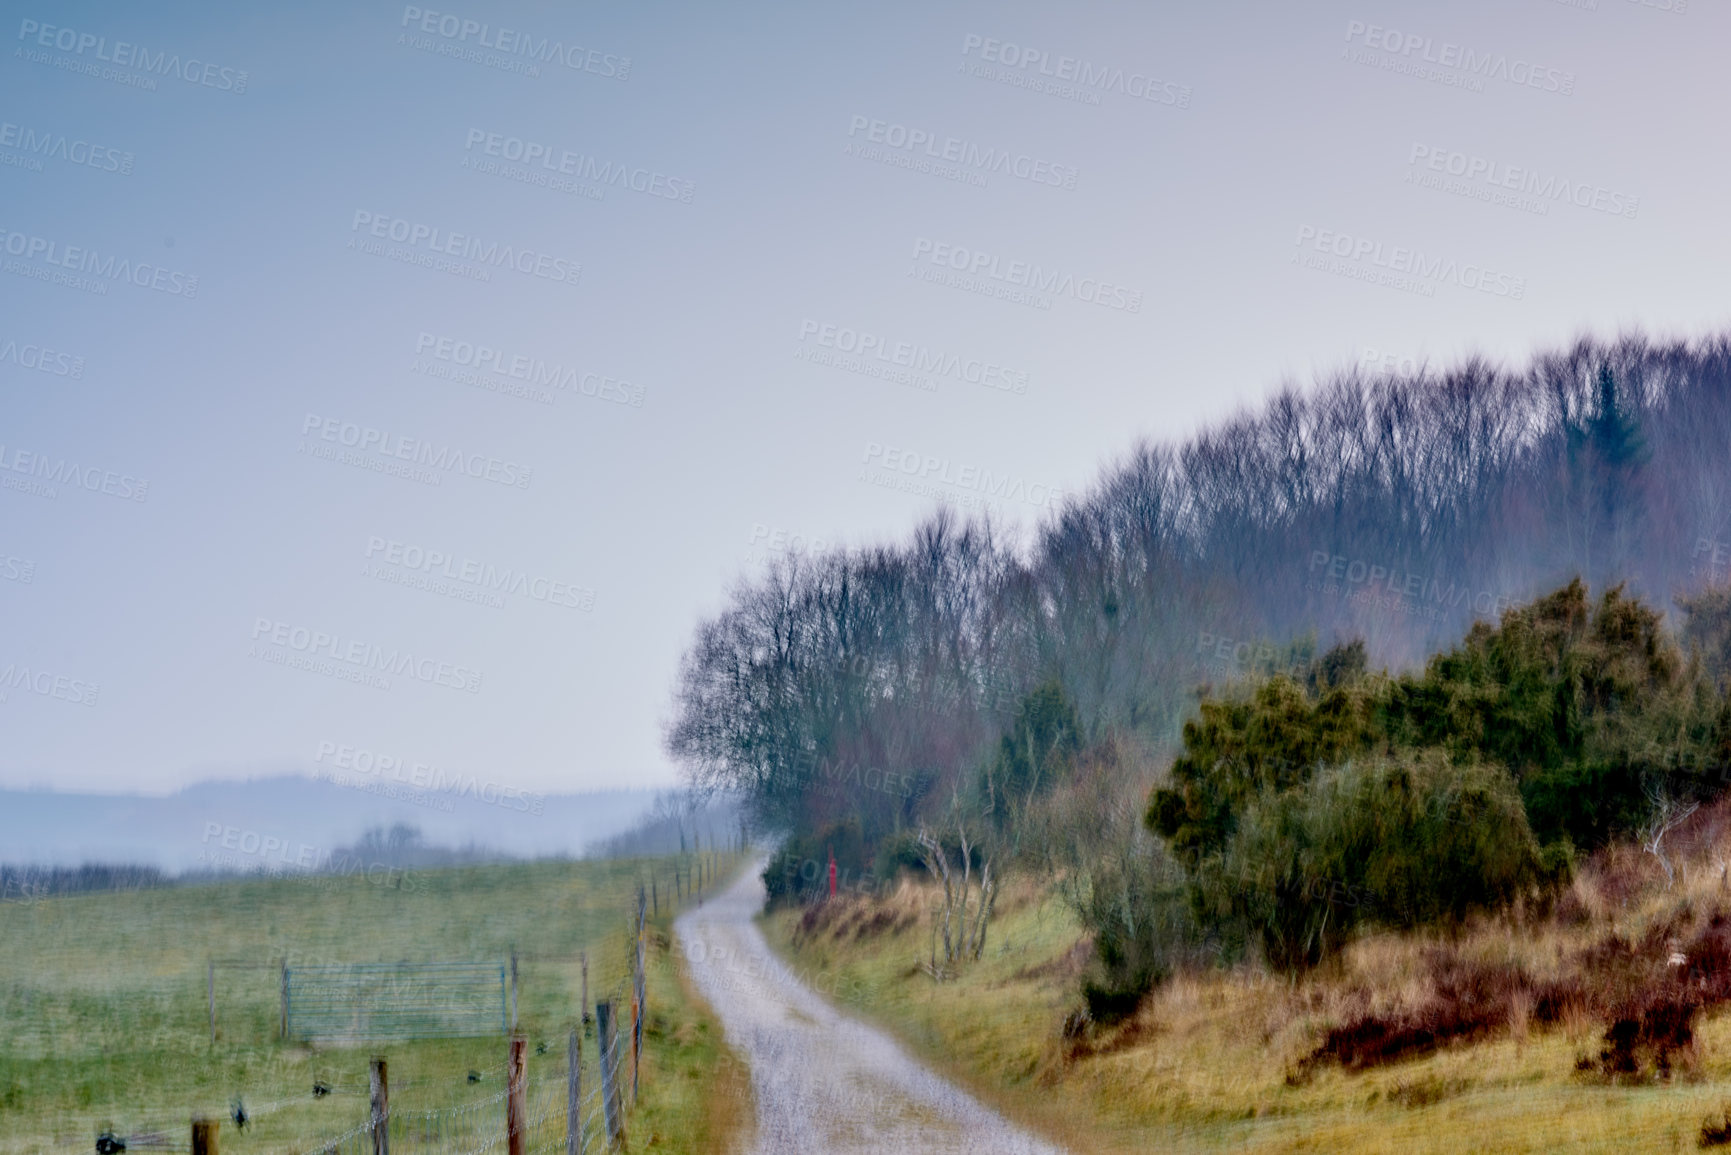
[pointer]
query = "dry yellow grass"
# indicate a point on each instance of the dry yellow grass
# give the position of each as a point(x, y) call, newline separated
point(1206, 1063)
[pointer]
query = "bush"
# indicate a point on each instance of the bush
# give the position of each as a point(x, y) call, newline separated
point(1587, 705)
point(1123, 886)
point(1035, 754)
point(1271, 736)
point(799, 871)
point(1138, 910)
point(898, 853)
point(1550, 727)
point(1401, 841)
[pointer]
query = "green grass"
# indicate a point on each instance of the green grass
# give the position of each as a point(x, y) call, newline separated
point(696, 1092)
point(1203, 1067)
point(103, 1016)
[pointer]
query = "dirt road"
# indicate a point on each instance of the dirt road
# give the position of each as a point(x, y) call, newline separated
point(824, 1082)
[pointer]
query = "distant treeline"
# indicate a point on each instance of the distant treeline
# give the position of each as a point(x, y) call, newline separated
point(1396, 509)
point(677, 822)
point(403, 845)
point(29, 883)
point(399, 847)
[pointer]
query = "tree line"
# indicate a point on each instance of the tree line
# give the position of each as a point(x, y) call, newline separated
point(1029, 695)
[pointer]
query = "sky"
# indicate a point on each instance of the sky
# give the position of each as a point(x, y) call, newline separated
point(411, 381)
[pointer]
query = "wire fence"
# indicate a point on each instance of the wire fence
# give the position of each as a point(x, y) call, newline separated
point(388, 1001)
point(536, 1109)
point(577, 1102)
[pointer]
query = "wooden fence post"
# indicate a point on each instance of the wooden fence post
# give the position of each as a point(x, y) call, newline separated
point(204, 1135)
point(655, 898)
point(636, 1037)
point(283, 1024)
point(210, 996)
point(380, 1104)
point(574, 1094)
point(513, 988)
point(637, 999)
point(605, 1031)
point(516, 1121)
point(585, 1003)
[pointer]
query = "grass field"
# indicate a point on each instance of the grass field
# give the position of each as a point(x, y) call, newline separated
point(1205, 1064)
point(104, 1021)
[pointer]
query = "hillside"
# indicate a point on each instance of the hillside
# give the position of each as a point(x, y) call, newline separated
point(1417, 1042)
point(1390, 719)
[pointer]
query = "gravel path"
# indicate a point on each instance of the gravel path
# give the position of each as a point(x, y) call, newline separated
point(824, 1082)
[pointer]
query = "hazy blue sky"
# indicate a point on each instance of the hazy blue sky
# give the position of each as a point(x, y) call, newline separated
point(1216, 197)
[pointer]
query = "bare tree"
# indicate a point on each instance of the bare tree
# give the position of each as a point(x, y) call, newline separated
point(963, 940)
point(1443, 496)
point(1667, 814)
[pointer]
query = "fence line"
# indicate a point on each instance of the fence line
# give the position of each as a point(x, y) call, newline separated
point(368, 1001)
point(575, 1107)
point(579, 1106)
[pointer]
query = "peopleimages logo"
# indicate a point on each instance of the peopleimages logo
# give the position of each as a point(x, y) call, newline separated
point(1518, 187)
point(43, 467)
point(579, 166)
point(40, 358)
point(924, 471)
point(263, 845)
point(127, 55)
point(88, 263)
point(481, 577)
point(36, 145)
point(918, 359)
point(965, 153)
point(1361, 258)
point(366, 439)
point(426, 776)
point(980, 271)
point(1070, 77)
point(536, 374)
point(1227, 655)
point(429, 241)
point(778, 540)
point(1408, 367)
point(1394, 588)
point(509, 42)
point(1457, 61)
point(1718, 553)
point(364, 659)
point(47, 684)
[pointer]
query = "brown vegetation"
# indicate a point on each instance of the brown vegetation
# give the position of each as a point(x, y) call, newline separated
point(1637, 958)
point(852, 915)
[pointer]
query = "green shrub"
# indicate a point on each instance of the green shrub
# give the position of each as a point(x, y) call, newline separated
point(898, 853)
point(1035, 754)
point(1137, 907)
point(1589, 706)
point(1267, 737)
point(799, 870)
point(1403, 841)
